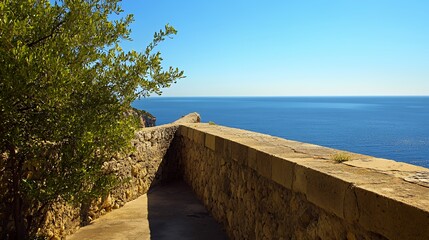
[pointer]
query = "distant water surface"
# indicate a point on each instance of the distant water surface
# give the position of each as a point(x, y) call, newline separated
point(389, 127)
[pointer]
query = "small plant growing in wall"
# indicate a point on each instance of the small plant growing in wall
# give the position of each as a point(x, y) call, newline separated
point(212, 123)
point(340, 157)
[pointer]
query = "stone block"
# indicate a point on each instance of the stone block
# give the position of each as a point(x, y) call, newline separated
point(251, 158)
point(210, 141)
point(182, 131)
point(190, 132)
point(222, 147)
point(300, 179)
point(282, 171)
point(147, 136)
point(351, 210)
point(389, 217)
point(239, 153)
point(263, 164)
point(198, 137)
point(326, 191)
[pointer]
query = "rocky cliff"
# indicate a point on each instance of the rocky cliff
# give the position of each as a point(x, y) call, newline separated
point(145, 119)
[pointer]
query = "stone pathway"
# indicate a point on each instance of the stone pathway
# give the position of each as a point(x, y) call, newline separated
point(166, 212)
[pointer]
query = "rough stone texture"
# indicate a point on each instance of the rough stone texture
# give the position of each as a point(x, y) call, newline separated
point(144, 118)
point(190, 118)
point(147, 165)
point(262, 187)
point(137, 171)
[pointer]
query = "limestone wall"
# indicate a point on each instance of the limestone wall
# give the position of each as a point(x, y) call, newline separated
point(137, 171)
point(151, 162)
point(262, 187)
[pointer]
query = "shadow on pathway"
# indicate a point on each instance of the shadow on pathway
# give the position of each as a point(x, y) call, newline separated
point(167, 212)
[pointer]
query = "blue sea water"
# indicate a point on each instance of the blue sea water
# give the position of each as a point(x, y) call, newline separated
point(389, 127)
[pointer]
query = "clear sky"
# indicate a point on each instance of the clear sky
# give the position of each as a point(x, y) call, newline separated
point(290, 47)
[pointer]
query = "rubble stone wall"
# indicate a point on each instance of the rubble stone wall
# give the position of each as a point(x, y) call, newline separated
point(137, 171)
point(262, 187)
point(151, 162)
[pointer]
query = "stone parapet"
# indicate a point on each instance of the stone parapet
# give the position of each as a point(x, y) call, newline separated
point(263, 187)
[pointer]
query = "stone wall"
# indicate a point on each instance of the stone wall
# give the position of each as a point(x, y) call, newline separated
point(262, 187)
point(136, 171)
point(148, 165)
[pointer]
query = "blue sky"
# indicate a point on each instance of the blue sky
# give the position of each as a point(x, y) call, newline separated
point(290, 48)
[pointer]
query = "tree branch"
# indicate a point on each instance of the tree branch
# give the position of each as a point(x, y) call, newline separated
point(54, 29)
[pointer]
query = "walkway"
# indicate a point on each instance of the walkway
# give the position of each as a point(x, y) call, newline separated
point(166, 212)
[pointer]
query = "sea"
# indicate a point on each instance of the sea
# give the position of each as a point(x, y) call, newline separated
point(387, 127)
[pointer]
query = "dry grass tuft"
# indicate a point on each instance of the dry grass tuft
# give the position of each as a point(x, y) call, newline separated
point(340, 157)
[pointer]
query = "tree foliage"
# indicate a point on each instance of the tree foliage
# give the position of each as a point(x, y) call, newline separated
point(65, 85)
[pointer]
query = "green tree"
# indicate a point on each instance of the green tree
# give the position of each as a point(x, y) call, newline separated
point(65, 88)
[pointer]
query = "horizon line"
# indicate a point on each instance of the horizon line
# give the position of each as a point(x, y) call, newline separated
point(278, 96)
